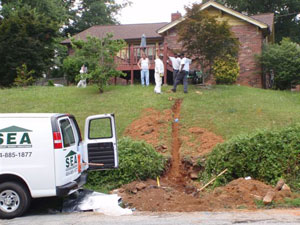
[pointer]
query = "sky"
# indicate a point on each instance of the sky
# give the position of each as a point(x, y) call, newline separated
point(152, 11)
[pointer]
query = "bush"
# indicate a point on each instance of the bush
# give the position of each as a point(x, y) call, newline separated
point(226, 70)
point(137, 161)
point(264, 155)
point(71, 67)
point(283, 60)
point(24, 77)
point(50, 83)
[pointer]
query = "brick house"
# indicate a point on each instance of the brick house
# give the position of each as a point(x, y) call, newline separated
point(252, 32)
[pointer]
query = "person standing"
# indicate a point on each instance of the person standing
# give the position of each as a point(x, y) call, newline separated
point(182, 74)
point(158, 74)
point(83, 71)
point(143, 64)
point(175, 61)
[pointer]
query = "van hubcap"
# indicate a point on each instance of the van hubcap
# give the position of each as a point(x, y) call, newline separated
point(9, 201)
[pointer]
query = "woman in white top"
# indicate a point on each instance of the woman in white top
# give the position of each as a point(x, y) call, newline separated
point(159, 73)
point(143, 64)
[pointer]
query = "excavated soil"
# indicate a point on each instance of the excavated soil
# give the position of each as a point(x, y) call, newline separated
point(152, 127)
point(177, 191)
point(238, 194)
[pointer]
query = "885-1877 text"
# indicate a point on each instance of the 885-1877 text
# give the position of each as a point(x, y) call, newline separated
point(15, 154)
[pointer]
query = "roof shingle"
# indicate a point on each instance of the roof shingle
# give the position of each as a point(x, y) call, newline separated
point(267, 18)
point(126, 31)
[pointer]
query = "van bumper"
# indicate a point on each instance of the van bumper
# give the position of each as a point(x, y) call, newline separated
point(72, 186)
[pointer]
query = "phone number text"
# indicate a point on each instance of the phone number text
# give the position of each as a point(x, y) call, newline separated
point(15, 154)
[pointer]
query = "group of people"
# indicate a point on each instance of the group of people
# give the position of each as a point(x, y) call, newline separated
point(181, 67)
point(180, 64)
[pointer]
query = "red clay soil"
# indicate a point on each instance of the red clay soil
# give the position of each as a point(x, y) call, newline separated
point(151, 127)
point(175, 170)
point(238, 194)
point(204, 141)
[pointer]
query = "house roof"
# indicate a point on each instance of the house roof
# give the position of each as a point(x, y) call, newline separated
point(259, 20)
point(126, 31)
point(267, 18)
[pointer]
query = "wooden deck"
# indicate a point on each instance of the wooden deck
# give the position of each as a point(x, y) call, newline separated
point(128, 58)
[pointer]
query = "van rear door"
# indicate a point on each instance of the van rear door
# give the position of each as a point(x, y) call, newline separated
point(101, 142)
point(67, 155)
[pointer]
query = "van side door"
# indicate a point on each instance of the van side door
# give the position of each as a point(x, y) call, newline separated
point(101, 142)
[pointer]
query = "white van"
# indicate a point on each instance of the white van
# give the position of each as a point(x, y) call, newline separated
point(43, 155)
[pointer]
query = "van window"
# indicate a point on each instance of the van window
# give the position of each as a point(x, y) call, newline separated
point(67, 132)
point(100, 128)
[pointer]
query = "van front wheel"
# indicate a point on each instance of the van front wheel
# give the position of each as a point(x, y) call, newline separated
point(14, 200)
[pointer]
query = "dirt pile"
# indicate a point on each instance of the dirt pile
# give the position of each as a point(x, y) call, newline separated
point(152, 127)
point(202, 141)
point(238, 194)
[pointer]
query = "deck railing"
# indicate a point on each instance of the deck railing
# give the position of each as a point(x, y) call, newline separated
point(127, 59)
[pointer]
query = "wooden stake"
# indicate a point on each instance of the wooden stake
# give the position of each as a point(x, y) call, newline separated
point(93, 164)
point(212, 180)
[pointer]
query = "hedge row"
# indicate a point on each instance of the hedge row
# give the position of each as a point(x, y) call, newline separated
point(265, 155)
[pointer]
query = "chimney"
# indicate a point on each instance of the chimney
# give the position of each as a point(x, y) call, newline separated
point(175, 16)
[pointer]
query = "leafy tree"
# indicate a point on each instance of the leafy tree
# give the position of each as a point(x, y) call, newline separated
point(206, 39)
point(55, 10)
point(286, 24)
point(26, 37)
point(98, 55)
point(94, 12)
point(283, 60)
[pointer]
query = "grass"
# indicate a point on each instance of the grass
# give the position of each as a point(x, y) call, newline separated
point(286, 203)
point(225, 110)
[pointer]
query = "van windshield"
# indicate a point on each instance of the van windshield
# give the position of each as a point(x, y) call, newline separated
point(67, 132)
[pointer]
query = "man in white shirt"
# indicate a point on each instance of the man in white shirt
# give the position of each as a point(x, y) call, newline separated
point(159, 73)
point(143, 64)
point(183, 73)
point(176, 65)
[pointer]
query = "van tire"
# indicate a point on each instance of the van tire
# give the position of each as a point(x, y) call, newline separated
point(18, 202)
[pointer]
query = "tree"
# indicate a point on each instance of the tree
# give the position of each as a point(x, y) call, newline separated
point(286, 23)
point(283, 60)
point(55, 10)
point(94, 12)
point(26, 37)
point(98, 55)
point(206, 39)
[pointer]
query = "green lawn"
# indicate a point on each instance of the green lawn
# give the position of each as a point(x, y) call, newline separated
point(225, 110)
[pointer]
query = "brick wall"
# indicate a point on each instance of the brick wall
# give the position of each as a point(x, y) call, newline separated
point(251, 40)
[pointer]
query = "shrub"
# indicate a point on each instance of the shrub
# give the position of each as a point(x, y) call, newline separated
point(264, 155)
point(50, 83)
point(226, 70)
point(137, 161)
point(24, 77)
point(71, 67)
point(283, 60)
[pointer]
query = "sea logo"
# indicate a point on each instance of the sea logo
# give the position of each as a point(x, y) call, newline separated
point(15, 137)
point(71, 163)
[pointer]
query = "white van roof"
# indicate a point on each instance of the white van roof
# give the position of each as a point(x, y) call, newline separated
point(28, 115)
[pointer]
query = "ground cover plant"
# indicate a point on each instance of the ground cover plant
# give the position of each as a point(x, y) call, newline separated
point(225, 110)
point(266, 155)
point(137, 161)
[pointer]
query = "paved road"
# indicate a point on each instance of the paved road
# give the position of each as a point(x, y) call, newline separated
point(282, 217)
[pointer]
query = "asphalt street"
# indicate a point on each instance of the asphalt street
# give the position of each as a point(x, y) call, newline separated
point(282, 217)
